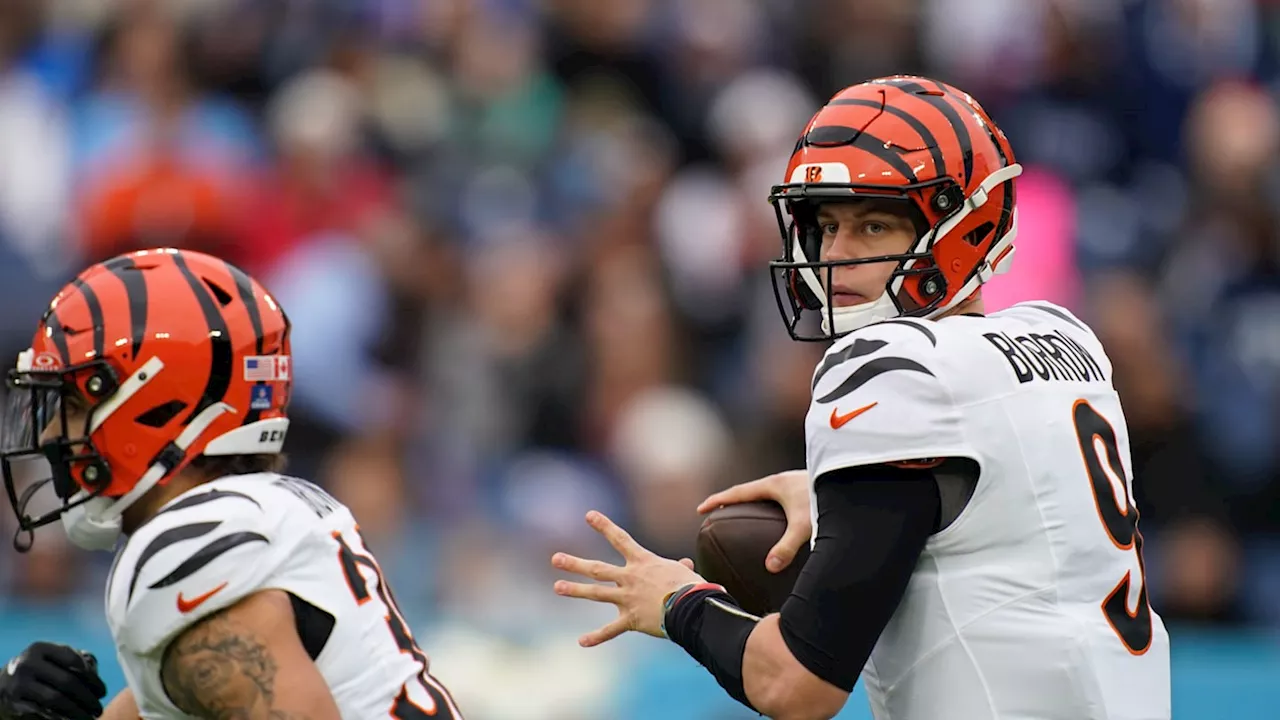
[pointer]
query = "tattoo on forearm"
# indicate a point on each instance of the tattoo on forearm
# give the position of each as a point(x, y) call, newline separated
point(220, 670)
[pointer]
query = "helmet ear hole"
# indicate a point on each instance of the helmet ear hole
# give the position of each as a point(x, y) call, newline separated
point(161, 415)
point(980, 234)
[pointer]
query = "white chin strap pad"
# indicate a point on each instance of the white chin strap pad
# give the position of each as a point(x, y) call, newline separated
point(91, 525)
point(848, 319)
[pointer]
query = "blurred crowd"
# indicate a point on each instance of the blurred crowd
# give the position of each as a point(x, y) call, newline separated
point(523, 244)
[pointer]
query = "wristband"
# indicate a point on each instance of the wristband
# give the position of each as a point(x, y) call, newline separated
point(670, 599)
point(706, 621)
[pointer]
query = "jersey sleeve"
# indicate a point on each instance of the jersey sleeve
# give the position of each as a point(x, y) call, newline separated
point(196, 561)
point(878, 397)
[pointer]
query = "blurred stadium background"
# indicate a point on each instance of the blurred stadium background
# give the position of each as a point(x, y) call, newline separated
point(523, 244)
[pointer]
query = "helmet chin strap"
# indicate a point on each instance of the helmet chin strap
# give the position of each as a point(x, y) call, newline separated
point(95, 524)
point(848, 319)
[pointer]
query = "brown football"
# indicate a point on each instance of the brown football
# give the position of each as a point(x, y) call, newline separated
point(732, 545)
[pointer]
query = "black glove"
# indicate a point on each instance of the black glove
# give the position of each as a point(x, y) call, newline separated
point(51, 682)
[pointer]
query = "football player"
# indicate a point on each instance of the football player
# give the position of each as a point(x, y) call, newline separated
point(975, 551)
point(156, 389)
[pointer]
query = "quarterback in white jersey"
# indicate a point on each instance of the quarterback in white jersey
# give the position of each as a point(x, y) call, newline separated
point(967, 497)
point(1029, 600)
point(156, 389)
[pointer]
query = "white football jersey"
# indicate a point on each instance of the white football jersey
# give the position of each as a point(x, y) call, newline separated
point(1031, 603)
point(227, 539)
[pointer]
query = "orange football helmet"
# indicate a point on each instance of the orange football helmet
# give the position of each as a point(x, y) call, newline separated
point(910, 139)
point(172, 354)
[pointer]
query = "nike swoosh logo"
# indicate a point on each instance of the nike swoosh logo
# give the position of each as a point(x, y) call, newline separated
point(185, 606)
point(838, 420)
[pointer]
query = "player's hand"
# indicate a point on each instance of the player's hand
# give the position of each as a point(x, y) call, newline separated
point(638, 588)
point(789, 489)
point(51, 682)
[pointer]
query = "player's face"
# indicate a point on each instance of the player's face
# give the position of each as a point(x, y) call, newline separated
point(862, 229)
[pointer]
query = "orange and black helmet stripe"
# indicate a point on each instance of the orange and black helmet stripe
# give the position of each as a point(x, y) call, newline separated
point(95, 315)
point(220, 363)
point(936, 99)
point(926, 137)
point(135, 287)
point(244, 288)
point(845, 136)
point(57, 334)
point(983, 120)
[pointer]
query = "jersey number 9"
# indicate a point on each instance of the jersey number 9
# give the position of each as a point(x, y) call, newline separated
point(1120, 520)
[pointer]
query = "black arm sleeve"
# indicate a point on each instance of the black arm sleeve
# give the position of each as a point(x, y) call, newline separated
point(873, 521)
